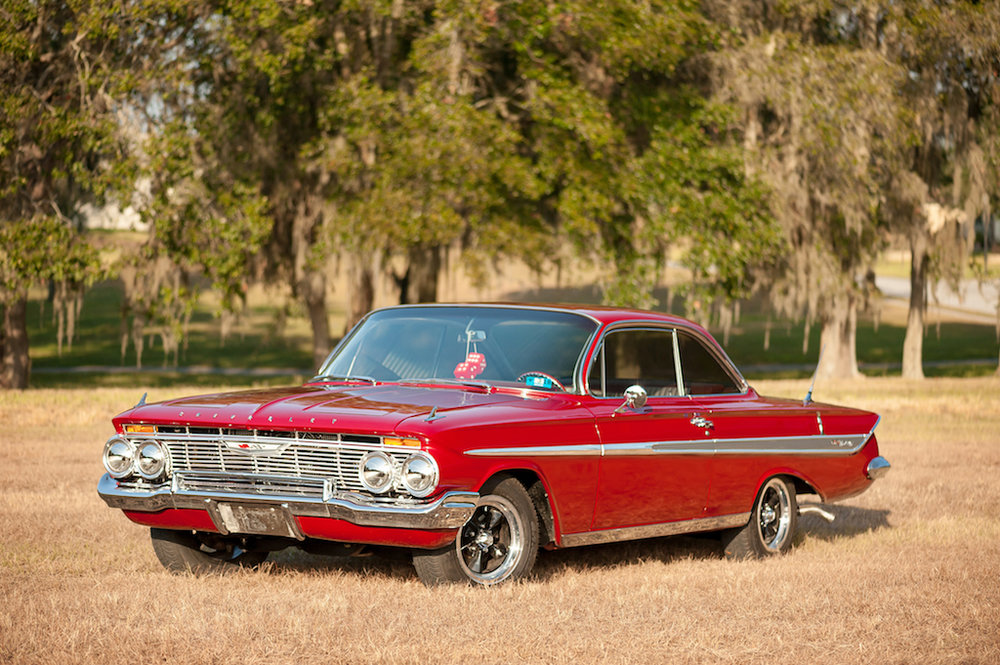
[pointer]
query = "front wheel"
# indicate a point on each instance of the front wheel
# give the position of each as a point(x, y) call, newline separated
point(498, 543)
point(183, 551)
point(772, 523)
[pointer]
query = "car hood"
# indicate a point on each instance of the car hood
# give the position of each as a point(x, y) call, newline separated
point(365, 409)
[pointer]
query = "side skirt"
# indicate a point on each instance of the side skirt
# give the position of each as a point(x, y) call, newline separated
point(654, 530)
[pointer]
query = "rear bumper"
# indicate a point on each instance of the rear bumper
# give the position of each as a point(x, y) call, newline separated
point(450, 511)
point(877, 467)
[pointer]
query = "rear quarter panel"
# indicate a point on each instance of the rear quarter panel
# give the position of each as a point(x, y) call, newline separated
point(762, 437)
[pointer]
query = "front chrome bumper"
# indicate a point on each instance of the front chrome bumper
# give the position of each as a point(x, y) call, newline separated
point(450, 511)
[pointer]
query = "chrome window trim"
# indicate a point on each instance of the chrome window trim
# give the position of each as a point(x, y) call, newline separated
point(719, 354)
point(714, 350)
point(678, 370)
point(578, 387)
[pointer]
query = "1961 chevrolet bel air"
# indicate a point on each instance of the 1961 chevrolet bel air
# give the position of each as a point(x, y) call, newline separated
point(473, 435)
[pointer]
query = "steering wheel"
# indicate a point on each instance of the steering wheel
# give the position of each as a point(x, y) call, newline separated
point(547, 377)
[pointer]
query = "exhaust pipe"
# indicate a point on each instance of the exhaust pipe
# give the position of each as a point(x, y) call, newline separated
point(825, 514)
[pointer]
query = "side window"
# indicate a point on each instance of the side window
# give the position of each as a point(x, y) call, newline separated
point(627, 357)
point(703, 374)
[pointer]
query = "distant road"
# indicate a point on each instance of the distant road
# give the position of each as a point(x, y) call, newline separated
point(978, 305)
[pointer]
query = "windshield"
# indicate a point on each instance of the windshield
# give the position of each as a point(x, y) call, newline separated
point(534, 347)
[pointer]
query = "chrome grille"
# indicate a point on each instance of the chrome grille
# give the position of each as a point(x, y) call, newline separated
point(268, 462)
point(243, 484)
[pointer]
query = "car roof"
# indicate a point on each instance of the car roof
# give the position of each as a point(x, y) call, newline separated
point(603, 314)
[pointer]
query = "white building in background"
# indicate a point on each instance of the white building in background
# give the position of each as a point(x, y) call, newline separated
point(110, 217)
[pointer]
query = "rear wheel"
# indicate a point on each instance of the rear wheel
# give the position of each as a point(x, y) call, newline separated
point(772, 523)
point(183, 551)
point(498, 543)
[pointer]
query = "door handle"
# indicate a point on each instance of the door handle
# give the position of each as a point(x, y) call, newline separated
point(701, 421)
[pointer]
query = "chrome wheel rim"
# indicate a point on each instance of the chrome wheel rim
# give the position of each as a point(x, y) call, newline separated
point(490, 544)
point(774, 515)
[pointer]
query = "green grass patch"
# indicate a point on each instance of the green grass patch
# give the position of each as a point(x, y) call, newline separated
point(959, 350)
point(257, 341)
point(266, 338)
point(160, 379)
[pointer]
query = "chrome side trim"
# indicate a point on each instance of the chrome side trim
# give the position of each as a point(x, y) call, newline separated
point(654, 530)
point(878, 467)
point(799, 445)
point(780, 445)
point(450, 511)
point(878, 419)
point(582, 450)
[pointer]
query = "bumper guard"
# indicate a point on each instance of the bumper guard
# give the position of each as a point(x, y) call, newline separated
point(450, 511)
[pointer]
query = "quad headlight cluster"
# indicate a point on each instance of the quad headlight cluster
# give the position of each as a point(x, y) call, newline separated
point(148, 459)
point(416, 475)
point(378, 471)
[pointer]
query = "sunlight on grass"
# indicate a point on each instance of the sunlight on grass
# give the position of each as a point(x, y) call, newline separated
point(904, 575)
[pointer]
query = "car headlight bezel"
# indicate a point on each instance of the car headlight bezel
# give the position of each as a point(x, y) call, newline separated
point(374, 464)
point(419, 475)
point(154, 451)
point(119, 457)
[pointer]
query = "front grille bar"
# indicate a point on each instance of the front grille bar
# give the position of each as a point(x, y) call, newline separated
point(257, 461)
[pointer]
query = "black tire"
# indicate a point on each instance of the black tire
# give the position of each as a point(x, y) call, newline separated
point(499, 543)
point(183, 551)
point(772, 523)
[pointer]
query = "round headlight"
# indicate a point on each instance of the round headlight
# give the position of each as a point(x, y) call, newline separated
point(420, 475)
point(375, 472)
point(151, 460)
point(119, 457)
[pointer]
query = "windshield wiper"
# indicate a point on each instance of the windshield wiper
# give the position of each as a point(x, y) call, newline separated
point(338, 377)
point(450, 382)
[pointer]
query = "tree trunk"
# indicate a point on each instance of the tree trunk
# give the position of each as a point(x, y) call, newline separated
point(16, 363)
point(362, 291)
point(838, 341)
point(913, 344)
point(314, 294)
point(420, 281)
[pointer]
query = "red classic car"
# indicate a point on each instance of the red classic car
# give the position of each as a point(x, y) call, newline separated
point(472, 435)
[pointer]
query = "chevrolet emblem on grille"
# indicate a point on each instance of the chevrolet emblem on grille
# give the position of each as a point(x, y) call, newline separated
point(253, 446)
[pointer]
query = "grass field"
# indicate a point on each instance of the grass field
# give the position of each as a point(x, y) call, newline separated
point(907, 574)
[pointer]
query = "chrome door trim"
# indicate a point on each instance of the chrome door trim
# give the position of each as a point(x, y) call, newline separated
point(815, 444)
point(654, 530)
point(581, 450)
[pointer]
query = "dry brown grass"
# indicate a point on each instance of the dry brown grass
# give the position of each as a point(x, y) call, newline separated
point(908, 573)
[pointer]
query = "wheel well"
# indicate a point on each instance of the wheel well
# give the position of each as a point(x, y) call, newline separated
point(536, 490)
point(800, 486)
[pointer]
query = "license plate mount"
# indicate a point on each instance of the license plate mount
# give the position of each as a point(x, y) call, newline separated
point(259, 519)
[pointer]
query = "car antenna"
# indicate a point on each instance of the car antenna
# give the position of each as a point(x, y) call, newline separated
point(809, 395)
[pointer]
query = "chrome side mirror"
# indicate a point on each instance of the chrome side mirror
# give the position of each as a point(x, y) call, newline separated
point(635, 399)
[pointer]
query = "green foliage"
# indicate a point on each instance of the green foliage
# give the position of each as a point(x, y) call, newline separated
point(753, 143)
point(27, 257)
point(60, 148)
